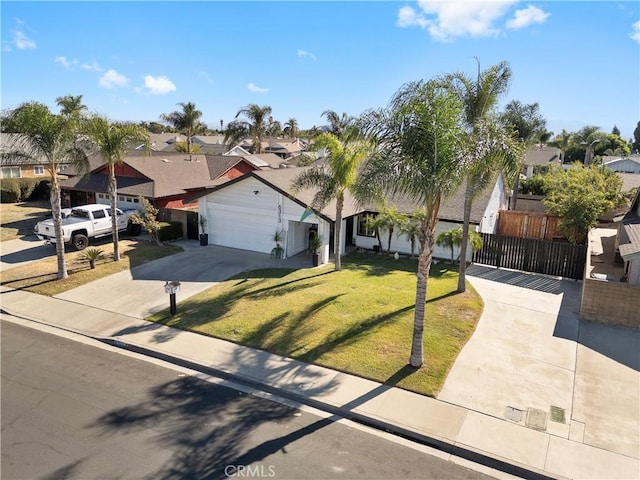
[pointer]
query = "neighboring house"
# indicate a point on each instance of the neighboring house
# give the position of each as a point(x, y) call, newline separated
point(246, 212)
point(163, 142)
point(622, 165)
point(165, 178)
point(540, 156)
point(629, 241)
point(285, 148)
point(210, 144)
point(17, 168)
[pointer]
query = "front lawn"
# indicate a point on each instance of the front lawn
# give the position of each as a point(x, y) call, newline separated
point(358, 320)
point(41, 276)
point(18, 219)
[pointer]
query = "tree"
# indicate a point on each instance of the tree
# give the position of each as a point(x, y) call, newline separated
point(274, 127)
point(579, 195)
point(615, 130)
point(291, 128)
point(338, 124)
point(185, 148)
point(52, 137)
point(635, 145)
point(111, 140)
point(488, 145)
point(562, 141)
point(418, 158)
point(453, 238)
point(186, 121)
point(254, 125)
point(389, 217)
point(333, 178)
point(410, 227)
point(71, 106)
point(147, 218)
point(375, 223)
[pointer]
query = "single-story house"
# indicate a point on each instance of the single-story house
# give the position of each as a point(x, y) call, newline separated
point(623, 165)
point(540, 155)
point(210, 144)
point(19, 168)
point(246, 212)
point(629, 241)
point(165, 178)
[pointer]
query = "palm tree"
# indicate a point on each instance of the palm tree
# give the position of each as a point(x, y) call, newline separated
point(388, 218)
point(338, 124)
point(291, 128)
point(111, 140)
point(375, 223)
point(71, 105)
point(274, 127)
point(52, 137)
point(254, 125)
point(419, 159)
point(562, 141)
point(409, 226)
point(484, 138)
point(453, 238)
point(333, 178)
point(186, 121)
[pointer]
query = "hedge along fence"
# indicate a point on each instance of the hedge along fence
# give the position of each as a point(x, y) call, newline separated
point(14, 190)
point(170, 231)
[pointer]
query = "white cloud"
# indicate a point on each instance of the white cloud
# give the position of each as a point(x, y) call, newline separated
point(304, 53)
point(111, 79)
point(91, 66)
point(445, 20)
point(636, 31)
point(254, 88)
point(20, 39)
point(158, 85)
point(65, 62)
point(527, 16)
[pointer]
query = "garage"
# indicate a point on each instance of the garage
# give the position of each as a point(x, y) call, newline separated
point(235, 227)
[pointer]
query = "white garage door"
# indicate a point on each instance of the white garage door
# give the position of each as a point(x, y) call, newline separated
point(230, 227)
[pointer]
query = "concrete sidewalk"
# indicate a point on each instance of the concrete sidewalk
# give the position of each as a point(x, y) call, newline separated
point(454, 429)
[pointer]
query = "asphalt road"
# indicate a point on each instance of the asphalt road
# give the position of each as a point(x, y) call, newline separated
point(74, 410)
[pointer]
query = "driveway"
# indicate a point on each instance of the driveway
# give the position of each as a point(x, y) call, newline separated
point(531, 351)
point(23, 251)
point(140, 292)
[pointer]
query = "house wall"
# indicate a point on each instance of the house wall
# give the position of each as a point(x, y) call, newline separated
point(611, 303)
point(25, 171)
point(238, 170)
point(402, 244)
point(122, 170)
point(633, 274)
point(626, 165)
point(497, 201)
point(241, 218)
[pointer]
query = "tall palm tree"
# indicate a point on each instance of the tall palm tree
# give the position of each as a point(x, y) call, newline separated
point(112, 140)
point(52, 137)
point(333, 178)
point(186, 121)
point(71, 105)
point(274, 127)
point(291, 128)
point(484, 138)
point(338, 124)
point(418, 158)
point(254, 125)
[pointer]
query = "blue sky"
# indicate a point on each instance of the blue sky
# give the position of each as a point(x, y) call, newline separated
point(135, 60)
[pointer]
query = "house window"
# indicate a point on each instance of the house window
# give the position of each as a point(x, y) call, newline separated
point(11, 172)
point(39, 170)
point(364, 230)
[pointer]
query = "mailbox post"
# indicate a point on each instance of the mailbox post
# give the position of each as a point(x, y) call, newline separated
point(172, 288)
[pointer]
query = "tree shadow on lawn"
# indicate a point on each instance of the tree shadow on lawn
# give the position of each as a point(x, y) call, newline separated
point(209, 427)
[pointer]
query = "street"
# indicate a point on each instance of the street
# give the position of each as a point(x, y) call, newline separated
point(73, 410)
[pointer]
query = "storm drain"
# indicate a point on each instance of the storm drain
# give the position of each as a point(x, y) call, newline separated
point(513, 414)
point(557, 414)
point(536, 419)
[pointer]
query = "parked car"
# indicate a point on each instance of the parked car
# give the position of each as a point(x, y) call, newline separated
point(85, 222)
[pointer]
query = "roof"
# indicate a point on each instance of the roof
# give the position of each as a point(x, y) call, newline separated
point(632, 233)
point(134, 187)
point(10, 142)
point(281, 179)
point(629, 181)
point(220, 164)
point(208, 139)
point(269, 160)
point(542, 155)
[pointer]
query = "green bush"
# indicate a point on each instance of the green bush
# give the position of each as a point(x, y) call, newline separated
point(42, 191)
point(19, 189)
point(170, 231)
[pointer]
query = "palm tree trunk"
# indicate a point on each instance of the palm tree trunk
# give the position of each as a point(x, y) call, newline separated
point(389, 240)
point(113, 192)
point(57, 224)
point(338, 231)
point(468, 201)
point(427, 243)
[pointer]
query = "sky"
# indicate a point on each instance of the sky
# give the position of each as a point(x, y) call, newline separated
point(133, 61)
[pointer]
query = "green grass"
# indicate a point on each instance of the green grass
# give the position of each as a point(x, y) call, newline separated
point(41, 277)
point(358, 320)
point(18, 219)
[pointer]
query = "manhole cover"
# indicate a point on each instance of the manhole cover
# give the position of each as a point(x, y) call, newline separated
point(557, 414)
point(513, 414)
point(536, 419)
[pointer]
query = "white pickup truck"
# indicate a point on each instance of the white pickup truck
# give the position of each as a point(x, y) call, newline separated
point(85, 222)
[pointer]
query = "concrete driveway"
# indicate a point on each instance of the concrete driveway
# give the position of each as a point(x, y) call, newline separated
point(23, 251)
point(531, 351)
point(140, 292)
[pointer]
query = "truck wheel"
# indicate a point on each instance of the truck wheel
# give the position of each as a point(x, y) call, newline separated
point(134, 229)
point(79, 242)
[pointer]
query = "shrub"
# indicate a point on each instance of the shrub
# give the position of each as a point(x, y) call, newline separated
point(170, 231)
point(19, 189)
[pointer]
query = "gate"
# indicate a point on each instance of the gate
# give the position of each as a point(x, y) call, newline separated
point(532, 255)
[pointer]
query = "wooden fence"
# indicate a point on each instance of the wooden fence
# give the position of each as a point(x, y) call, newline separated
point(528, 225)
point(559, 259)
